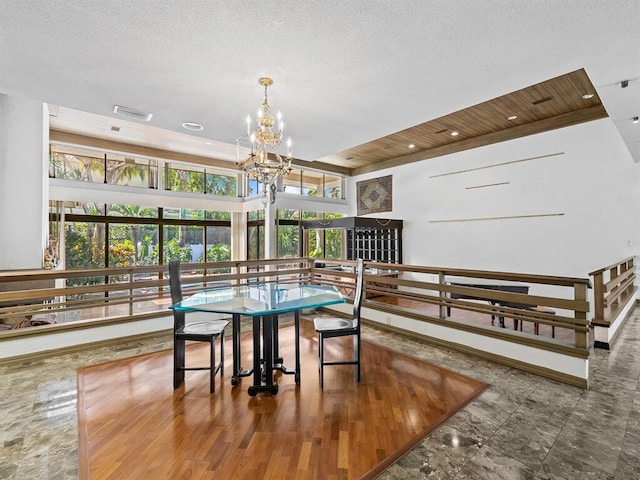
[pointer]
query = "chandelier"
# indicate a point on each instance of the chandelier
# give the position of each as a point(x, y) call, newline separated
point(264, 163)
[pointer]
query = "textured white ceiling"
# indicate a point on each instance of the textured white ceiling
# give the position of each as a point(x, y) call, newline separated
point(345, 72)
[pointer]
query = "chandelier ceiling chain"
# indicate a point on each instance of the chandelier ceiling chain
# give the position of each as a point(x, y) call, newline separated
point(264, 163)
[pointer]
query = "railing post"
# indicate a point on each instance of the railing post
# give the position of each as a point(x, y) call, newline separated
point(130, 291)
point(580, 294)
point(614, 273)
point(631, 266)
point(441, 281)
point(625, 267)
point(598, 298)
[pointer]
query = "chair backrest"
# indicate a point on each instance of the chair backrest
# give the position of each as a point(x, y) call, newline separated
point(357, 298)
point(175, 286)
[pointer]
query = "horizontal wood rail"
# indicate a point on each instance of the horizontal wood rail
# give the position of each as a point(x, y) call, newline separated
point(613, 288)
point(420, 292)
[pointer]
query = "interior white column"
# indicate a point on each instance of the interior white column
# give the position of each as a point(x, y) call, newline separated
point(270, 231)
point(24, 187)
point(238, 236)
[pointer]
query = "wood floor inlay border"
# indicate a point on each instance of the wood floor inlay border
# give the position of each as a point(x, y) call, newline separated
point(132, 424)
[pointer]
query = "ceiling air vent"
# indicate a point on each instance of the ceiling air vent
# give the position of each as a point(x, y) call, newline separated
point(115, 129)
point(542, 100)
point(131, 113)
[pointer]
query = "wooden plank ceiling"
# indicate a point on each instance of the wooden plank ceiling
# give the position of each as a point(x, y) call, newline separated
point(555, 103)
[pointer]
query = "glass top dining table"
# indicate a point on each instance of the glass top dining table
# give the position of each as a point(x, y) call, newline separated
point(263, 302)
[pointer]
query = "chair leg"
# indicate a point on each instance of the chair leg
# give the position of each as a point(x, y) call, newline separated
point(178, 362)
point(356, 341)
point(212, 366)
point(321, 358)
point(222, 353)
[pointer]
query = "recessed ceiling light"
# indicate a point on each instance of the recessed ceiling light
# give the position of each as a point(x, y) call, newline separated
point(512, 117)
point(587, 96)
point(454, 134)
point(411, 145)
point(207, 143)
point(192, 126)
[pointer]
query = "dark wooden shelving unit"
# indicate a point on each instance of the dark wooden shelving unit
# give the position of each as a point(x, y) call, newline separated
point(372, 239)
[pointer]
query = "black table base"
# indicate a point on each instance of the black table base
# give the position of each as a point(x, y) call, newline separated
point(266, 354)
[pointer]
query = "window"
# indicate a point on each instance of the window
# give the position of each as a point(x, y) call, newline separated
point(131, 171)
point(254, 187)
point(132, 245)
point(72, 163)
point(332, 186)
point(86, 165)
point(218, 246)
point(223, 185)
point(193, 179)
point(320, 243)
point(115, 168)
point(184, 179)
point(255, 235)
point(313, 184)
point(131, 235)
point(84, 244)
point(116, 210)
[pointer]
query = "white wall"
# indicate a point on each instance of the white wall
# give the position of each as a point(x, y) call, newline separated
point(24, 147)
point(29, 344)
point(592, 182)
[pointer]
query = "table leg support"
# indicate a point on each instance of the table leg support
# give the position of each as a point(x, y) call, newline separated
point(263, 368)
point(237, 353)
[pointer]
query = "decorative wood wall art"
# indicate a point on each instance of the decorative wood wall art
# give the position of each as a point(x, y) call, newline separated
point(502, 164)
point(374, 195)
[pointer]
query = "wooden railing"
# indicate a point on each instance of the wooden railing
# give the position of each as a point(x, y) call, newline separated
point(613, 288)
point(418, 292)
point(93, 295)
point(429, 294)
point(426, 302)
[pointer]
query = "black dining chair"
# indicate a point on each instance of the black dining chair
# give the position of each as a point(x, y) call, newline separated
point(200, 331)
point(342, 327)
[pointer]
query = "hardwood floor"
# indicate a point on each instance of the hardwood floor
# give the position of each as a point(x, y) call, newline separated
point(133, 425)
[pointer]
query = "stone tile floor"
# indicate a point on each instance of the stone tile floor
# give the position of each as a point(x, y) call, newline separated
point(521, 427)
